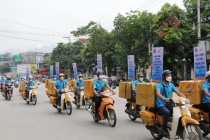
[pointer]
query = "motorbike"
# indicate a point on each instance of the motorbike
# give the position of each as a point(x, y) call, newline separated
point(112, 84)
point(8, 92)
point(81, 100)
point(133, 111)
point(16, 84)
point(202, 117)
point(65, 102)
point(32, 96)
point(180, 124)
point(106, 109)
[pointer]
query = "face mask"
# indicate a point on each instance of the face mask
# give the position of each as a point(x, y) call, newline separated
point(30, 80)
point(61, 78)
point(169, 79)
point(140, 79)
point(100, 76)
point(80, 79)
point(54, 78)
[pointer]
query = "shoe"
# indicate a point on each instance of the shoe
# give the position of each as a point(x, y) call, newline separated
point(58, 107)
point(97, 117)
point(165, 133)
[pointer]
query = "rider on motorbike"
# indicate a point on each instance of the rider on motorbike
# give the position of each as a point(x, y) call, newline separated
point(3, 80)
point(206, 95)
point(29, 83)
point(98, 87)
point(164, 91)
point(79, 86)
point(140, 78)
point(59, 85)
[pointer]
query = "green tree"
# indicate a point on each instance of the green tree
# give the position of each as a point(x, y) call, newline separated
point(131, 35)
point(4, 69)
point(191, 7)
point(174, 33)
point(101, 42)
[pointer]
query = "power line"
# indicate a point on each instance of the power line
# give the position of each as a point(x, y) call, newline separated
point(148, 6)
point(28, 33)
point(148, 2)
point(26, 39)
point(30, 26)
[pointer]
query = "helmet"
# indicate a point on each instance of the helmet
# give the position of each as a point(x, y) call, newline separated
point(99, 72)
point(30, 77)
point(140, 74)
point(165, 72)
point(61, 74)
point(80, 75)
point(207, 74)
point(23, 77)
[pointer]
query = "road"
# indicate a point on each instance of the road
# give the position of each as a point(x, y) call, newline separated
point(19, 121)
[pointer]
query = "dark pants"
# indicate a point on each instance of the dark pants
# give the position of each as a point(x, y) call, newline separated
point(97, 101)
point(206, 108)
point(165, 112)
point(27, 93)
point(58, 98)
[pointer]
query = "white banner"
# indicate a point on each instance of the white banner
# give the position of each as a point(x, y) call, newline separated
point(21, 68)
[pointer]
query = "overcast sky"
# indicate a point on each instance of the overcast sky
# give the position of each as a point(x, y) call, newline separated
point(49, 20)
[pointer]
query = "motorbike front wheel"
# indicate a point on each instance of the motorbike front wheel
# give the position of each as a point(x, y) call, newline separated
point(193, 131)
point(112, 118)
point(34, 100)
point(9, 95)
point(132, 116)
point(69, 108)
point(87, 103)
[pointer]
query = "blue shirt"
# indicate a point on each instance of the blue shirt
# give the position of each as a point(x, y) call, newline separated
point(3, 80)
point(99, 85)
point(134, 84)
point(165, 91)
point(29, 83)
point(206, 86)
point(80, 83)
point(60, 84)
point(8, 81)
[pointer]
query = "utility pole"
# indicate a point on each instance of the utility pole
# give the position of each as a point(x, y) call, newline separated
point(198, 19)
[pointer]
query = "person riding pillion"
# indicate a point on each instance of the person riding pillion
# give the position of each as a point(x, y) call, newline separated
point(98, 87)
point(79, 85)
point(206, 95)
point(164, 91)
point(60, 85)
point(29, 84)
point(140, 78)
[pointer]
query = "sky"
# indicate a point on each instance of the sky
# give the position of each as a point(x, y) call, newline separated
point(34, 24)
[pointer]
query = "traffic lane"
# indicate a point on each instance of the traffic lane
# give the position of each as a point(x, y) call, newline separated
point(43, 122)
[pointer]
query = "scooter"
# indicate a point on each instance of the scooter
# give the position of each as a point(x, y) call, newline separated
point(65, 102)
point(106, 109)
point(202, 117)
point(133, 111)
point(32, 96)
point(180, 124)
point(16, 84)
point(81, 100)
point(8, 92)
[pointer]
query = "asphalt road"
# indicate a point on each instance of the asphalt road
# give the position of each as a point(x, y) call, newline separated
point(19, 121)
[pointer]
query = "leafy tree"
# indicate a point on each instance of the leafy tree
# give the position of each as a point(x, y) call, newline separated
point(132, 34)
point(4, 68)
point(100, 43)
point(191, 7)
point(174, 33)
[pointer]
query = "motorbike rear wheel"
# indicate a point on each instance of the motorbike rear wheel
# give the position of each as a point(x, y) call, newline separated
point(34, 100)
point(68, 108)
point(112, 118)
point(156, 132)
point(193, 131)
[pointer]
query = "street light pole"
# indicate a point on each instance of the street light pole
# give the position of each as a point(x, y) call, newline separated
point(198, 19)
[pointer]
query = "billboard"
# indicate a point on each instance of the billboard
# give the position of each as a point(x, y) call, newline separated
point(21, 68)
point(33, 68)
point(17, 58)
